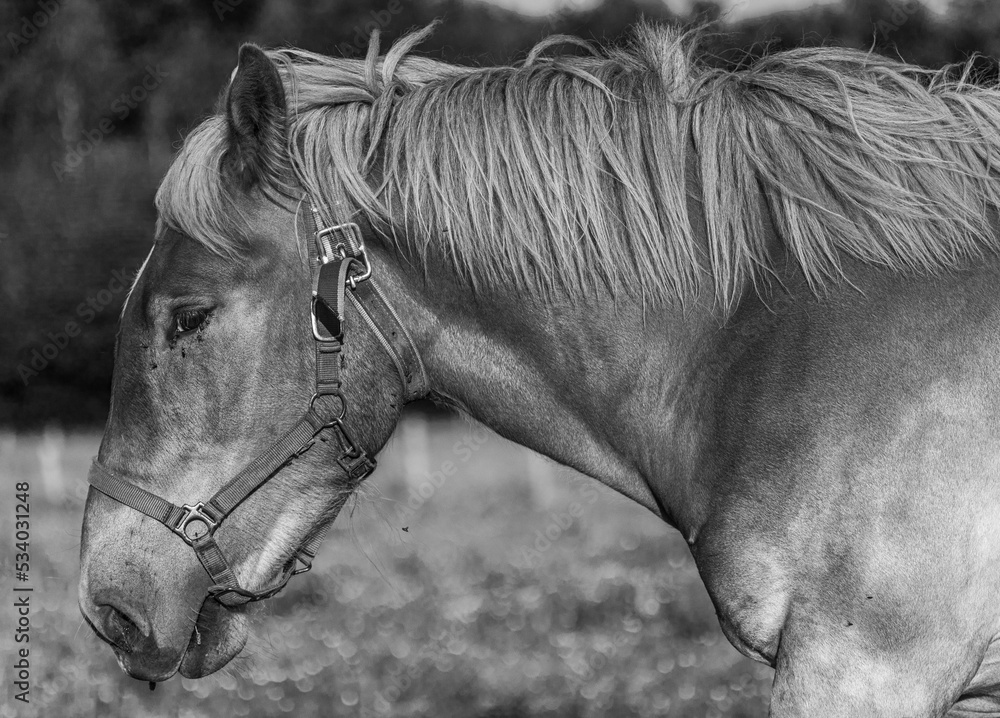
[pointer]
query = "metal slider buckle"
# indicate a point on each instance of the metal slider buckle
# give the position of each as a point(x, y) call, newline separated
point(330, 318)
point(359, 467)
point(194, 513)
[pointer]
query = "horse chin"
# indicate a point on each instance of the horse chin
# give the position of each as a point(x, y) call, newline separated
point(218, 638)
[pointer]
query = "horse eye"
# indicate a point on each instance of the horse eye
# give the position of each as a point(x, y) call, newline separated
point(187, 320)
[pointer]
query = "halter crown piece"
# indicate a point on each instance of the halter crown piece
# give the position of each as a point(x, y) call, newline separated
point(339, 262)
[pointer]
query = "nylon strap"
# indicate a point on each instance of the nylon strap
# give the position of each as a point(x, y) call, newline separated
point(266, 464)
point(109, 483)
point(377, 313)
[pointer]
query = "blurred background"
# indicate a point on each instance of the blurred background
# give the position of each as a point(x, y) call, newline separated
point(477, 600)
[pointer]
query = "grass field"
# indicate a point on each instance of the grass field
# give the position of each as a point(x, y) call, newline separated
point(519, 589)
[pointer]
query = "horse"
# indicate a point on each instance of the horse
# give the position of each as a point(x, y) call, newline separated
point(760, 302)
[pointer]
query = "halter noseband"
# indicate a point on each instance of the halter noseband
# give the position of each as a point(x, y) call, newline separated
point(339, 262)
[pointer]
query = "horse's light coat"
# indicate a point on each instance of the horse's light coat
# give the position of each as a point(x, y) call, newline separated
point(831, 460)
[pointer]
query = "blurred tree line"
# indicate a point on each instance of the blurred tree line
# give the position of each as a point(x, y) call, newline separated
point(95, 96)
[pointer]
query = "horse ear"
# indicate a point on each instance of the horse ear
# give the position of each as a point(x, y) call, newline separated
point(255, 113)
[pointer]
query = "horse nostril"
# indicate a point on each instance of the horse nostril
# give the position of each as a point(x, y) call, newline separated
point(119, 629)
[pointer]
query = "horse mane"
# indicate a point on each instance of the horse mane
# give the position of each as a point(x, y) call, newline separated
point(568, 172)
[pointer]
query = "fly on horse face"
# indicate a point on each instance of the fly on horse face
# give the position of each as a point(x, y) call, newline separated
point(761, 303)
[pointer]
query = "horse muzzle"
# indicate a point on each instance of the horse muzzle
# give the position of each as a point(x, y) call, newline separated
point(217, 637)
point(145, 596)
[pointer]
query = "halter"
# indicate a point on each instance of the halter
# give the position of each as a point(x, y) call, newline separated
point(339, 262)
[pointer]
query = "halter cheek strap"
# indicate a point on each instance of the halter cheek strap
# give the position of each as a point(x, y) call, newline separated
point(341, 270)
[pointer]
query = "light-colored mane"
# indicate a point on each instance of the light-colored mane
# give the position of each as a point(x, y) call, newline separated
point(567, 173)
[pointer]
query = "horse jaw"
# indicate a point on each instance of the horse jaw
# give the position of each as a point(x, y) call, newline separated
point(217, 638)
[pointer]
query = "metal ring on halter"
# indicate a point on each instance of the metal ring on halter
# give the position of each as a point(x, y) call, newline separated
point(343, 407)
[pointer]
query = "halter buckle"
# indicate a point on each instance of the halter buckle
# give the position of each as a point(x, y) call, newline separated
point(192, 514)
point(339, 241)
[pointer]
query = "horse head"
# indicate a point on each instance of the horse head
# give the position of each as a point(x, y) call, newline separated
point(225, 348)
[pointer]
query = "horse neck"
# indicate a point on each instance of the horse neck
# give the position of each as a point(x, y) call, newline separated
point(599, 385)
